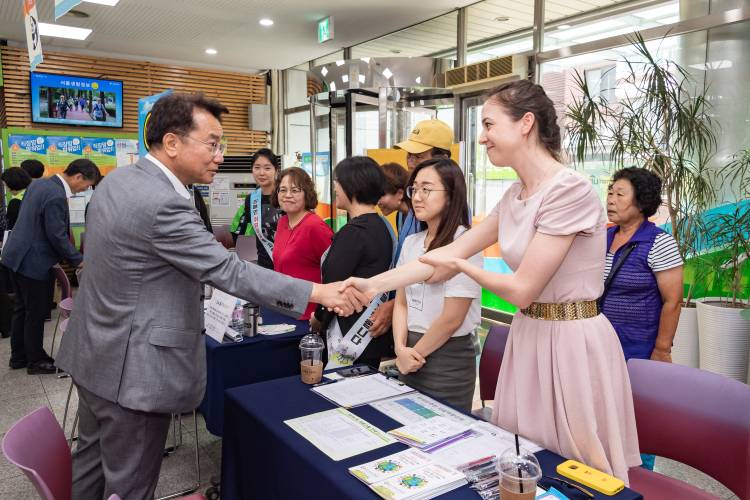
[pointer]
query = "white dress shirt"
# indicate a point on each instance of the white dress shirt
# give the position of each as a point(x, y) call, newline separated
point(178, 186)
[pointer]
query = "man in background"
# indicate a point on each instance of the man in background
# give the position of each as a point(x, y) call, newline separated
point(40, 239)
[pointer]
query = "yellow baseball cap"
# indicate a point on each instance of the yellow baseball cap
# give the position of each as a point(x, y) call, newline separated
point(427, 134)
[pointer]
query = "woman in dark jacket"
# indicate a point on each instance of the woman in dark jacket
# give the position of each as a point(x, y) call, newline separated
point(362, 248)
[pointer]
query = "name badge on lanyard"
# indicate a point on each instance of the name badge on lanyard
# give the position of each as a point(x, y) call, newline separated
point(344, 349)
point(255, 220)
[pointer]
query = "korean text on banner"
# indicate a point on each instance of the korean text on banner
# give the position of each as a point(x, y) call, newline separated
point(144, 113)
point(62, 7)
point(33, 39)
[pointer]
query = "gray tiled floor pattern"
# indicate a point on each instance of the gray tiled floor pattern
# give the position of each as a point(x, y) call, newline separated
point(21, 393)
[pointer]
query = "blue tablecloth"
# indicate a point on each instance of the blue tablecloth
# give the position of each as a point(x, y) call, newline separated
point(264, 458)
point(232, 364)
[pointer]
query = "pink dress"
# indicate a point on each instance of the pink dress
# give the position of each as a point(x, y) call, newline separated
point(564, 384)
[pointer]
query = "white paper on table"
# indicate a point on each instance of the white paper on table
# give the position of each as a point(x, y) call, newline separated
point(487, 440)
point(431, 430)
point(357, 391)
point(414, 407)
point(218, 314)
point(339, 433)
point(275, 329)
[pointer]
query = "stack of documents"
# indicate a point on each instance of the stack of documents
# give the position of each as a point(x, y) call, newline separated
point(356, 391)
point(408, 475)
point(275, 329)
point(432, 433)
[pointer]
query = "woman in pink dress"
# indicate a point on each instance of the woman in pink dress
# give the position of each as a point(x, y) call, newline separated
point(563, 383)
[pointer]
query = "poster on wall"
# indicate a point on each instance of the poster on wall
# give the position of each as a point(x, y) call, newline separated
point(57, 151)
point(61, 150)
point(101, 150)
point(26, 147)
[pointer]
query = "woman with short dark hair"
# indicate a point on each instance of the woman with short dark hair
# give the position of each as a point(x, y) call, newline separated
point(16, 180)
point(643, 269)
point(301, 235)
point(363, 248)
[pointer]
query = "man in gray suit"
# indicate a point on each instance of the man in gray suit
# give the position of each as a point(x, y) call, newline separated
point(134, 346)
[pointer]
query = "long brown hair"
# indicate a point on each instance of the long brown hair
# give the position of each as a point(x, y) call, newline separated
point(456, 212)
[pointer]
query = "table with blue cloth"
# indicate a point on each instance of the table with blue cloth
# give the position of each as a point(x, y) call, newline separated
point(255, 359)
point(262, 457)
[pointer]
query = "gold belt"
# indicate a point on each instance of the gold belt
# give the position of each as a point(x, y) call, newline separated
point(562, 312)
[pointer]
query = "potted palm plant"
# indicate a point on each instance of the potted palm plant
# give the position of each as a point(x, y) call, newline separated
point(724, 331)
point(662, 122)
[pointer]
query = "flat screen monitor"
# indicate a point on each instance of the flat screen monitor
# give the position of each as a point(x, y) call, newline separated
point(75, 100)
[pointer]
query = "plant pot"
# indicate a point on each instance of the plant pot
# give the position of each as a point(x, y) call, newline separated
point(685, 345)
point(724, 339)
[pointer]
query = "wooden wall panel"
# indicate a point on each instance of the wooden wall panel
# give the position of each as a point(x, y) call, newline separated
point(140, 78)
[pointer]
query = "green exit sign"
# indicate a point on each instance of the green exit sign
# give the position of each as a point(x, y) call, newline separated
point(325, 29)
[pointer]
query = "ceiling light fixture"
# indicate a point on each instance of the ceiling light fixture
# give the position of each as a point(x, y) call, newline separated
point(419, 80)
point(502, 19)
point(345, 78)
point(563, 27)
point(60, 31)
point(365, 60)
point(111, 3)
point(266, 22)
point(387, 73)
point(340, 63)
point(396, 51)
point(324, 71)
point(211, 52)
point(362, 79)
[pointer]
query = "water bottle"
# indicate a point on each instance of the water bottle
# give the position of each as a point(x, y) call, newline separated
point(237, 323)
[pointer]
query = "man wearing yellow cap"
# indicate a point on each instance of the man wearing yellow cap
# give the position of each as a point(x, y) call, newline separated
point(429, 139)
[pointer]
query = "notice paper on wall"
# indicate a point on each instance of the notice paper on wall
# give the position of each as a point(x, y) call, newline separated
point(339, 433)
point(357, 391)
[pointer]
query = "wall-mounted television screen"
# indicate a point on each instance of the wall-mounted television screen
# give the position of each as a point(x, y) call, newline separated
point(75, 100)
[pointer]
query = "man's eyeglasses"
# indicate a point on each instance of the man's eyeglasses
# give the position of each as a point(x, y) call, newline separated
point(423, 192)
point(295, 191)
point(216, 147)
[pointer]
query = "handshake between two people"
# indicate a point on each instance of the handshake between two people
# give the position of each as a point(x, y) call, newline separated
point(354, 294)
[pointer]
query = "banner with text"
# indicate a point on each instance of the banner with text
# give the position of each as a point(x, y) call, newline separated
point(33, 39)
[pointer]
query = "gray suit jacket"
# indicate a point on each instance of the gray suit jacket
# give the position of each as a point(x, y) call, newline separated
point(135, 335)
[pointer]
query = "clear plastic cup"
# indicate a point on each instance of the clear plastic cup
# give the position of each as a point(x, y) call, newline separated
point(311, 365)
point(519, 474)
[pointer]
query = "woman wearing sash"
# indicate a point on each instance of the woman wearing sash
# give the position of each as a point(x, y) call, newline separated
point(258, 216)
point(363, 248)
point(563, 382)
point(434, 323)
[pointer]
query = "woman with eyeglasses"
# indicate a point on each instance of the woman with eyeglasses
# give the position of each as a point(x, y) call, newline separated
point(302, 237)
point(563, 382)
point(434, 323)
point(258, 216)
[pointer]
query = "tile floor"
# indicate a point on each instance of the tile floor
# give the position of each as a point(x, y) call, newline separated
point(21, 393)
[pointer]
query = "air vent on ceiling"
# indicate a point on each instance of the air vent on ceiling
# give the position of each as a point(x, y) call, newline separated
point(486, 74)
